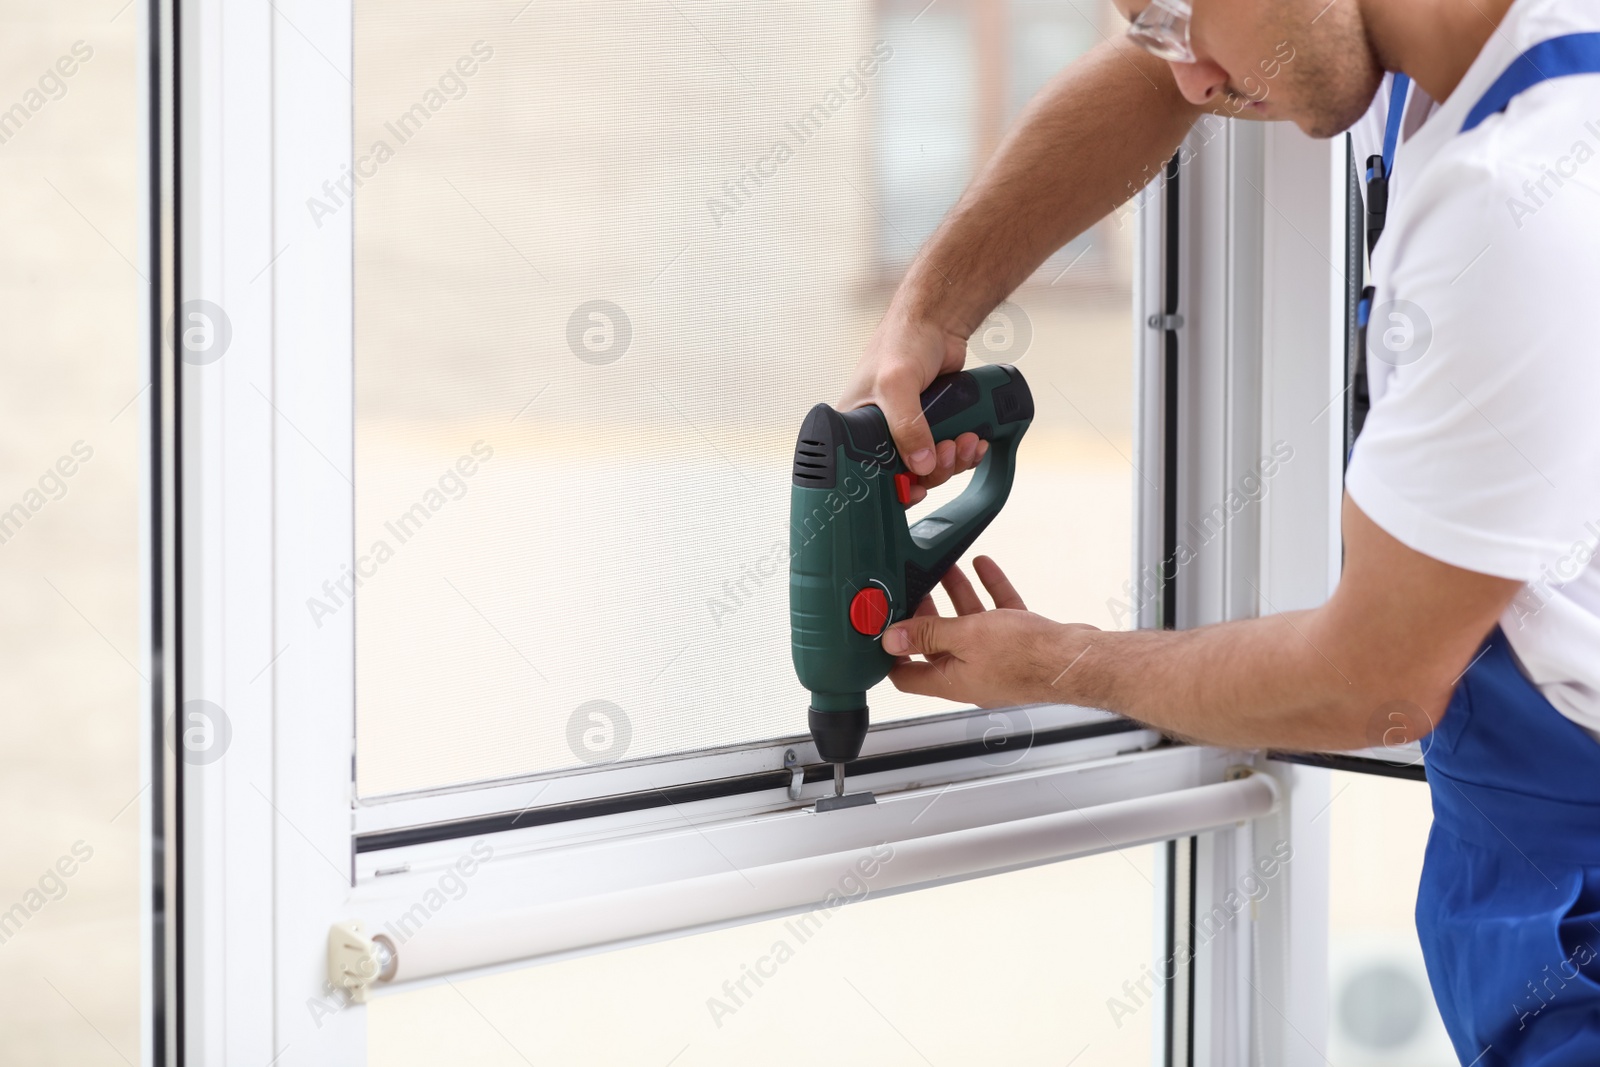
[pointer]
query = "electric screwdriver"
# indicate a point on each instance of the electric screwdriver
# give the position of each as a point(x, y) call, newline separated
point(856, 565)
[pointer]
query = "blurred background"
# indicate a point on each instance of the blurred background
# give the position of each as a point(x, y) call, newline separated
point(586, 271)
point(609, 254)
point(70, 662)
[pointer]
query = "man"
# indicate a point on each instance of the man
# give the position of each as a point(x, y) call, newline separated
point(1468, 600)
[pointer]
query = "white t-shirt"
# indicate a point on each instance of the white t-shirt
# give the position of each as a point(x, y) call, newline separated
point(1482, 448)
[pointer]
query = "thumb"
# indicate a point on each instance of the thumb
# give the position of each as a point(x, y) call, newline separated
point(900, 397)
point(927, 635)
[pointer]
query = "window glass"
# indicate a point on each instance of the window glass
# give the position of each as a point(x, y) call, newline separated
point(926, 139)
point(608, 254)
point(1029, 968)
point(1381, 1010)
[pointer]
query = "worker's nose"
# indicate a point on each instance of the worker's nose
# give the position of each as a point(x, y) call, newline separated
point(1201, 82)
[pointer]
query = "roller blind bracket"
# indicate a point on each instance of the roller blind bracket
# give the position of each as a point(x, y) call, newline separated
point(797, 773)
point(356, 961)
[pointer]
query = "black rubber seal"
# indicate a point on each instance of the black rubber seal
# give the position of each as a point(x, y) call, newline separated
point(1411, 772)
point(379, 840)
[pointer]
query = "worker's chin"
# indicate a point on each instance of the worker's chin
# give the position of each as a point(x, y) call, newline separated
point(1319, 127)
point(1329, 116)
point(1323, 124)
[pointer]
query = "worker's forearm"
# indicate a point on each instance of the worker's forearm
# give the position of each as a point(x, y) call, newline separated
point(1278, 681)
point(1091, 139)
point(1375, 664)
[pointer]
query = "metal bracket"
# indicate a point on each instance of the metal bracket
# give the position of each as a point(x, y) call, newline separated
point(356, 962)
point(849, 800)
point(791, 763)
point(1165, 322)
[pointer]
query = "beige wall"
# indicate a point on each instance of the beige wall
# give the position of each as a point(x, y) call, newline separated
point(69, 693)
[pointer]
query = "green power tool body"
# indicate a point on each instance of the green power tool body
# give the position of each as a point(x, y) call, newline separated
point(856, 565)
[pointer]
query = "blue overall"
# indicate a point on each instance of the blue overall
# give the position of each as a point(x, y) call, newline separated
point(1509, 907)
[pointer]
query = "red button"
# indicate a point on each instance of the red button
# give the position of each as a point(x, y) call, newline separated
point(902, 487)
point(869, 611)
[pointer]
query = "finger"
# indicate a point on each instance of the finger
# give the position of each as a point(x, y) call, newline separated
point(967, 451)
point(937, 477)
point(963, 597)
point(944, 467)
point(915, 495)
point(1001, 591)
point(926, 607)
point(925, 679)
point(900, 396)
point(925, 635)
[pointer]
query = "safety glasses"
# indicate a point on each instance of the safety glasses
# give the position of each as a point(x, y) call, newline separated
point(1162, 29)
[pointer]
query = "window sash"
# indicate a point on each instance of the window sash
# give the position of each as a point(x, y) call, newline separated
point(263, 841)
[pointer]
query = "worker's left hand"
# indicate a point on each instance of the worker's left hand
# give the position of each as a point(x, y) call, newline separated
point(989, 658)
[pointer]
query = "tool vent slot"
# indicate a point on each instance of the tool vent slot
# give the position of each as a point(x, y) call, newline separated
point(813, 450)
point(811, 463)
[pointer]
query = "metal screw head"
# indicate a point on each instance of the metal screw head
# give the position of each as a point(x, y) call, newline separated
point(797, 774)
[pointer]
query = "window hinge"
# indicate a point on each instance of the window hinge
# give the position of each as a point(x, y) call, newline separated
point(1165, 322)
point(356, 961)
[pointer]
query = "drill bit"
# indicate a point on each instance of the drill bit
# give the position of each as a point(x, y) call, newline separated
point(839, 800)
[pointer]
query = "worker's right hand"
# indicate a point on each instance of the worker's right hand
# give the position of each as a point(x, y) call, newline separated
point(903, 357)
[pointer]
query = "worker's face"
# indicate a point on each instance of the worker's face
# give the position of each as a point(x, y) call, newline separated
point(1305, 61)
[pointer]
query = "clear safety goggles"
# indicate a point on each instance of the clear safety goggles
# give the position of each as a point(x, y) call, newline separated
point(1162, 29)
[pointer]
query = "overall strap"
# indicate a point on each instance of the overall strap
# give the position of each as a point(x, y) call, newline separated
point(1559, 57)
point(1391, 127)
point(1380, 168)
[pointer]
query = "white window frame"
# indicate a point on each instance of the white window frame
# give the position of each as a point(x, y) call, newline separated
point(261, 846)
